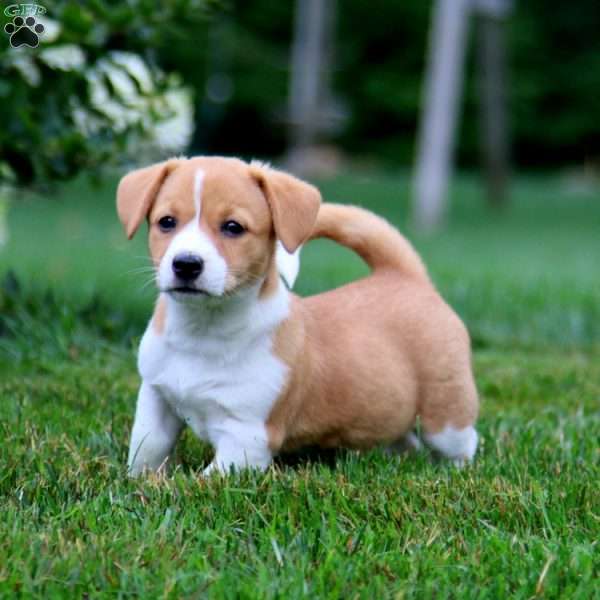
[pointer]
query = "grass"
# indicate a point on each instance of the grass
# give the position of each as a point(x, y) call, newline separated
point(522, 522)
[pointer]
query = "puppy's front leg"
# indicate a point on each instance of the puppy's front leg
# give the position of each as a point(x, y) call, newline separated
point(240, 445)
point(155, 431)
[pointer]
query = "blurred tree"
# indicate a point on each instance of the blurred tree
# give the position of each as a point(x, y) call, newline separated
point(93, 92)
point(312, 109)
point(238, 67)
point(443, 89)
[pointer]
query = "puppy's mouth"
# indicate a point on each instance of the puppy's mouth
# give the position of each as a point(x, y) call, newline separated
point(187, 291)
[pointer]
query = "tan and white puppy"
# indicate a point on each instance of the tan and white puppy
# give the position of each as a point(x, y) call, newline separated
point(254, 369)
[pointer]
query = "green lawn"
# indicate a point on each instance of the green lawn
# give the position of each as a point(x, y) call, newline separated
point(522, 522)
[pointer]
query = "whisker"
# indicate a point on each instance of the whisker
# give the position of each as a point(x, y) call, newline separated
point(142, 257)
point(139, 270)
point(147, 283)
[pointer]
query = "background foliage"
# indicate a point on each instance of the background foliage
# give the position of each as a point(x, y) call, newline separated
point(234, 56)
point(93, 91)
point(554, 63)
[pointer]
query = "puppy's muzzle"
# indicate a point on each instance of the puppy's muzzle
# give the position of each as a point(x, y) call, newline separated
point(187, 267)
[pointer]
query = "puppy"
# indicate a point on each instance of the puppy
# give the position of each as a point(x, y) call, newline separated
point(254, 369)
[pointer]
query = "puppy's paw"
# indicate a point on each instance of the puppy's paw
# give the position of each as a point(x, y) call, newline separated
point(457, 445)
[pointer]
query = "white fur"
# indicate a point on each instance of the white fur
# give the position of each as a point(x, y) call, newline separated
point(288, 265)
point(213, 369)
point(198, 185)
point(155, 431)
point(459, 445)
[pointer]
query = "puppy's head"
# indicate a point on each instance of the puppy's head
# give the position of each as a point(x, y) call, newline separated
point(213, 222)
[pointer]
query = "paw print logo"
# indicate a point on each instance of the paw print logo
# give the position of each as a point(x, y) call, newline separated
point(24, 32)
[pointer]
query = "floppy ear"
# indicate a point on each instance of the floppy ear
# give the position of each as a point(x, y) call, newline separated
point(294, 204)
point(136, 194)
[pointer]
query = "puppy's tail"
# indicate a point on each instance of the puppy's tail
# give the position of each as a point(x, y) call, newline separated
point(379, 244)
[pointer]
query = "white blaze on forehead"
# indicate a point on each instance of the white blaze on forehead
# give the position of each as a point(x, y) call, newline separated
point(191, 239)
point(198, 185)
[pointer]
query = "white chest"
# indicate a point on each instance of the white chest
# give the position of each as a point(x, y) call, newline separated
point(214, 382)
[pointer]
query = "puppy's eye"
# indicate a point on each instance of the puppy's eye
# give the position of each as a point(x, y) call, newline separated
point(232, 229)
point(167, 224)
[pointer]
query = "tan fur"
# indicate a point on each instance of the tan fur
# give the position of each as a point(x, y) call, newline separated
point(271, 282)
point(137, 191)
point(366, 359)
point(160, 316)
point(371, 237)
point(293, 207)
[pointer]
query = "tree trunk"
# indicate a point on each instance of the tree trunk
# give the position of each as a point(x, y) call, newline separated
point(310, 67)
point(443, 85)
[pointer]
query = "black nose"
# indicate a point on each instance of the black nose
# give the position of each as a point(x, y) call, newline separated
point(187, 267)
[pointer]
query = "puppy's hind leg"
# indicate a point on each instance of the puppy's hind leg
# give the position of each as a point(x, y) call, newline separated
point(448, 414)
